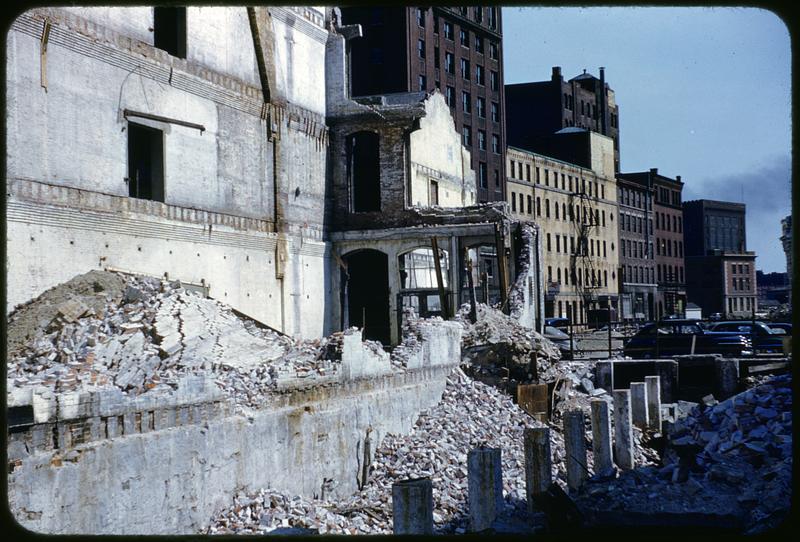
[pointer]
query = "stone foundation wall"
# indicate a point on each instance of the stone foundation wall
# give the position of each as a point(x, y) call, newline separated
point(168, 466)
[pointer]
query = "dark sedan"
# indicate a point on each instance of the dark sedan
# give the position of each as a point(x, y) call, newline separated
point(764, 339)
point(677, 337)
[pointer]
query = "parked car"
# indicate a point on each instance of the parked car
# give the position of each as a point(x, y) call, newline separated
point(764, 339)
point(675, 337)
point(557, 322)
point(559, 338)
point(786, 327)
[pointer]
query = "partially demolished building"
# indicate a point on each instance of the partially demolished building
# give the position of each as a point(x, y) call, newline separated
point(218, 148)
point(201, 144)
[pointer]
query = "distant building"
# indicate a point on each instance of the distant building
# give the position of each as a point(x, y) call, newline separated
point(574, 206)
point(720, 271)
point(539, 109)
point(668, 237)
point(456, 50)
point(786, 241)
point(637, 264)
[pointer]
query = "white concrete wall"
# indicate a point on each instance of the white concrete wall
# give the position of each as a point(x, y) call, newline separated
point(172, 481)
point(50, 244)
point(135, 22)
point(602, 152)
point(436, 146)
point(220, 39)
point(300, 59)
point(73, 135)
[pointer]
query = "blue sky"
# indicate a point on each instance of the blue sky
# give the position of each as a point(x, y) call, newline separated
point(704, 93)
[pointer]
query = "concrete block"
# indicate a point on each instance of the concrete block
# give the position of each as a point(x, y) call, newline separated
point(485, 487)
point(44, 406)
point(97, 428)
point(575, 447)
point(538, 462)
point(653, 402)
point(639, 404)
point(64, 436)
point(110, 402)
point(112, 426)
point(358, 361)
point(604, 375)
point(601, 436)
point(69, 405)
point(412, 506)
point(129, 423)
point(623, 429)
point(727, 377)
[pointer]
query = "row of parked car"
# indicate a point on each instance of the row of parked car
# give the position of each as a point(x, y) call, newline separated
point(671, 337)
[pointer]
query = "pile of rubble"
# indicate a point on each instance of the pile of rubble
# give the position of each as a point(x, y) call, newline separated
point(470, 414)
point(139, 333)
point(497, 341)
point(731, 460)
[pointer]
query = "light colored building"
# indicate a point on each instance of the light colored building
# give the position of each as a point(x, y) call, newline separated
point(575, 208)
point(786, 241)
point(167, 142)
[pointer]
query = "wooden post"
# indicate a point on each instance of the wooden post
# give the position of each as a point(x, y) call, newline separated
point(439, 279)
point(501, 266)
point(473, 304)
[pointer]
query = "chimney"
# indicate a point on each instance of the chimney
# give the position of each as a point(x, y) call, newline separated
point(653, 171)
point(678, 178)
point(603, 101)
point(556, 73)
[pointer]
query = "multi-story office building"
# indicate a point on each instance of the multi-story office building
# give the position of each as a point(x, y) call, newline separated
point(544, 107)
point(457, 50)
point(668, 236)
point(637, 266)
point(575, 207)
point(720, 270)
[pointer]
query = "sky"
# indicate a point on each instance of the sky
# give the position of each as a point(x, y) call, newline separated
point(704, 93)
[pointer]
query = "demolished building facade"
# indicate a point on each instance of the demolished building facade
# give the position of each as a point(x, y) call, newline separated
point(200, 144)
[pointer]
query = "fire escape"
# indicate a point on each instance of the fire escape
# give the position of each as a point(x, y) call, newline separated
point(585, 277)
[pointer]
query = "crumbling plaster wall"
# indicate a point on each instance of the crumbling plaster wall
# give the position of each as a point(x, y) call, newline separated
point(436, 154)
point(67, 160)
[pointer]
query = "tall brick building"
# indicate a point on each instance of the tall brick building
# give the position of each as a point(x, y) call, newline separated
point(539, 109)
point(721, 273)
point(457, 50)
point(637, 263)
point(668, 236)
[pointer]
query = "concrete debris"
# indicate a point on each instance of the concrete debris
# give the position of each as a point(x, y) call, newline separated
point(138, 333)
point(727, 459)
point(470, 414)
point(497, 346)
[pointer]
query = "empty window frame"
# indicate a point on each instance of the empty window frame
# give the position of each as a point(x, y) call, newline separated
point(364, 172)
point(145, 162)
point(169, 30)
point(466, 133)
point(434, 192)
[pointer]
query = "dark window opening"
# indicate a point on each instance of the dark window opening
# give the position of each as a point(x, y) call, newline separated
point(169, 30)
point(145, 162)
point(364, 172)
point(434, 192)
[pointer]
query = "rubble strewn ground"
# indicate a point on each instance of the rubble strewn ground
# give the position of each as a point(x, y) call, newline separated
point(470, 414)
point(732, 460)
point(497, 340)
point(140, 333)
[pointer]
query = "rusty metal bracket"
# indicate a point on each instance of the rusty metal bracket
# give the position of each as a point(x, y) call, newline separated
point(43, 53)
point(128, 113)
